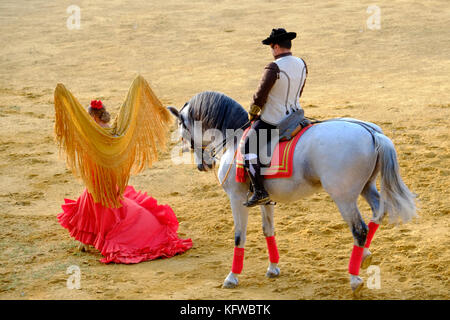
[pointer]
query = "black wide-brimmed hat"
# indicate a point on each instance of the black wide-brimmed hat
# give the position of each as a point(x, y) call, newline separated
point(278, 35)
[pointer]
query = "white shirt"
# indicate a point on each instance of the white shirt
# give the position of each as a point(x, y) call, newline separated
point(285, 93)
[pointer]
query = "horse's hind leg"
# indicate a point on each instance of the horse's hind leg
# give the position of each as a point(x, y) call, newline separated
point(370, 193)
point(269, 232)
point(350, 213)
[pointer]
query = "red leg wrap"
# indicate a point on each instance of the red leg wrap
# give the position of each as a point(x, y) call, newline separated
point(355, 260)
point(273, 251)
point(372, 229)
point(238, 260)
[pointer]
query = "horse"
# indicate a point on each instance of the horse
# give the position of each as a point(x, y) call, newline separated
point(342, 156)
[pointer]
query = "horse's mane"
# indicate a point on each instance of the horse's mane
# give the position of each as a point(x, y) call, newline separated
point(216, 110)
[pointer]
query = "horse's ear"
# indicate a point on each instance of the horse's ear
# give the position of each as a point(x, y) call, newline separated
point(174, 111)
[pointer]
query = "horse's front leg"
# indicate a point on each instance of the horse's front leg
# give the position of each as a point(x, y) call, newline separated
point(268, 227)
point(240, 216)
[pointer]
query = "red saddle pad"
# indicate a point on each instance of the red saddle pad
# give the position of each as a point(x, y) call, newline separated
point(281, 163)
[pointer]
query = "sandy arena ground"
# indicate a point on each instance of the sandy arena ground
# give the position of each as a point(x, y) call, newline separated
point(397, 77)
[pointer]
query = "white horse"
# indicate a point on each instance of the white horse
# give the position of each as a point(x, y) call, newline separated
point(343, 156)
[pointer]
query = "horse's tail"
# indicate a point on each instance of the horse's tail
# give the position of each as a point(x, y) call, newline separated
point(396, 199)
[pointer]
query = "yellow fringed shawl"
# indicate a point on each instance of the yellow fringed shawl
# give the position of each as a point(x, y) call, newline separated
point(104, 158)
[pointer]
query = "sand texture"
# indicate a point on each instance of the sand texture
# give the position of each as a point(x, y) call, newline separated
point(397, 77)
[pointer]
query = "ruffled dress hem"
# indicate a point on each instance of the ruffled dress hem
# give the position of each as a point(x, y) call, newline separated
point(93, 224)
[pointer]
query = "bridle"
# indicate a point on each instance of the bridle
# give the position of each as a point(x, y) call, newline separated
point(213, 153)
point(215, 149)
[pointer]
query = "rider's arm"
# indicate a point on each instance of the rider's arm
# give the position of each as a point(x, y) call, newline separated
point(304, 76)
point(270, 75)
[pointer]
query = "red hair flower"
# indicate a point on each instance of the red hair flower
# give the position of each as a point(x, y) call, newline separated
point(96, 104)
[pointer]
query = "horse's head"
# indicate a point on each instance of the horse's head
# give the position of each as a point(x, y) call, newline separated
point(204, 122)
point(193, 138)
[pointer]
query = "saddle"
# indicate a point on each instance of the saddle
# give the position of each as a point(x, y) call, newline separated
point(281, 163)
point(292, 124)
point(287, 129)
point(280, 149)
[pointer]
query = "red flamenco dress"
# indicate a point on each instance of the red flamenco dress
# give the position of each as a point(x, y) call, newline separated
point(139, 230)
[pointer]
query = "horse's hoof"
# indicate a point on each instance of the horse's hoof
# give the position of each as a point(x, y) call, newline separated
point(367, 261)
point(230, 282)
point(356, 283)
point(273, 273)
point(357, 291)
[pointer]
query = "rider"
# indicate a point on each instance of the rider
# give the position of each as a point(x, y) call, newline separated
point(277, 96)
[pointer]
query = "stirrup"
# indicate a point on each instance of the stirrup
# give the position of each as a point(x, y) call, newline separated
point(264, 201)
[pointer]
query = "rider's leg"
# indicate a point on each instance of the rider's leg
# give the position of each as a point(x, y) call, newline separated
point(252, 163)
point(260, 195)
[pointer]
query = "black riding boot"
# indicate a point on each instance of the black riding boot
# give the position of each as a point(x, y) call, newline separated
point(260, 195)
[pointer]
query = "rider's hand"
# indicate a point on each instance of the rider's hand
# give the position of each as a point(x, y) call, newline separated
point(253, 112)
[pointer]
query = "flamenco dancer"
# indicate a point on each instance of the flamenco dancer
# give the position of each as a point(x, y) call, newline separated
point(125, 225)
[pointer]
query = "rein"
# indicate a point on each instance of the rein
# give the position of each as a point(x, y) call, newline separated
point(225, 141)
point(215, 150)
point(228, 171)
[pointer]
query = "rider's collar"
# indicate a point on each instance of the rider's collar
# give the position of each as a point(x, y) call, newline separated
point(281, 55)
